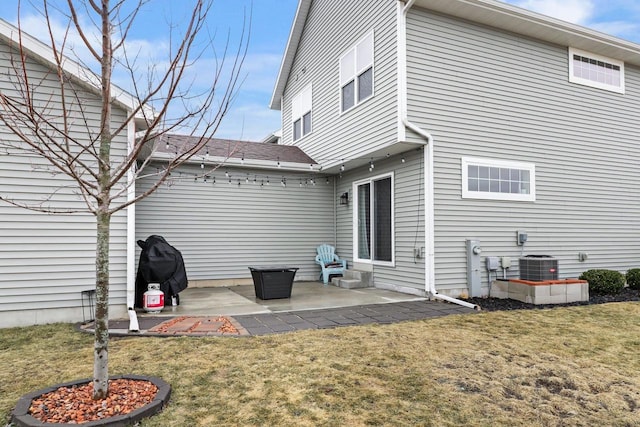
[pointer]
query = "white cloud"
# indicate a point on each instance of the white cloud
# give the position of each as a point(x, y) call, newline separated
point(65, 36)
point(261, 71)
point(249, 117)
point(615, 17)
point(624, 29)
point(575, 11)
point(140, 51)
point(249, 122)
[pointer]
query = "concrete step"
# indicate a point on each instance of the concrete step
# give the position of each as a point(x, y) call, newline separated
point(364, 276)
point(353, 279)
point(351, 283)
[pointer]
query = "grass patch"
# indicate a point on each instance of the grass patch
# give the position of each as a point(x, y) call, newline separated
point(566, 366)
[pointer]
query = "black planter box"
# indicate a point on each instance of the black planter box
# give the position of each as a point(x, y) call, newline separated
point(273, 282)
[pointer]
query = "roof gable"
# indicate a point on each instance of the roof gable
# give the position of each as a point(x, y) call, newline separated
point(292, 46)
point(487, 12)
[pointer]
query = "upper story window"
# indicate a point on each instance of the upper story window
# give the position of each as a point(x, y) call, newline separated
point(356, 73)
point(301, 113)
point(498, 179)
point(596, 71)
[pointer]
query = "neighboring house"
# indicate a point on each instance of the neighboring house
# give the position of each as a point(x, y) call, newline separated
point(273, 138)
point(448, 120)
point(238, 204)
point(46, 261)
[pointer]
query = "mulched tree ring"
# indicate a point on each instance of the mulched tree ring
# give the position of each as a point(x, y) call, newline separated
point(131, 398)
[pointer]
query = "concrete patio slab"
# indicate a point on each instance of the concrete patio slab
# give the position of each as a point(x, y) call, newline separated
point(241, 300)
point(312, 306)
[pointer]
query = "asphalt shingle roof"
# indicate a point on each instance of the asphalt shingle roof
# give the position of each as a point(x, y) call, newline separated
point(247, 150)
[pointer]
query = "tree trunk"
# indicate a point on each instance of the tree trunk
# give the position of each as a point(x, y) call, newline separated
point(103, 219)
point(101, 342)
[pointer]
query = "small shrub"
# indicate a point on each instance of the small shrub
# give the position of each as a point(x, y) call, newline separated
point(633, 278)
point(603, 281)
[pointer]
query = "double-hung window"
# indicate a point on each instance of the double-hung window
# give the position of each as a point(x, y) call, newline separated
point(498, 179)
point(356, 73)
point(301, 113)
point(373, 220)
point(596, 71)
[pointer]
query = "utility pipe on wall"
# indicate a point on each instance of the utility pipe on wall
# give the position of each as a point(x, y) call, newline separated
point(429, 264)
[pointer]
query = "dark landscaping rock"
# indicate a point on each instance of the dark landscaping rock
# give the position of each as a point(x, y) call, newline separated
point(494, 304)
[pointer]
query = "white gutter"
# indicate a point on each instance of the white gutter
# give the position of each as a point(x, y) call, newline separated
point(429, 262)
point(247, 163)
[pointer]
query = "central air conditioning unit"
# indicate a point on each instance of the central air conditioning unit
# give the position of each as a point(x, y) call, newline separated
point(537, 268)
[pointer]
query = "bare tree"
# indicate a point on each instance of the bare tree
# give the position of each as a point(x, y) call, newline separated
point(58, 128)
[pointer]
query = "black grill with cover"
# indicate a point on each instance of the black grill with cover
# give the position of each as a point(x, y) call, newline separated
point(160, 263)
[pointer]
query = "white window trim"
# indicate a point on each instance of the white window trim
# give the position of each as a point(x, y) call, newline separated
point(304, 101)
point(475, 161)
point(357, 72)
point(354, 192)
point(591, 83)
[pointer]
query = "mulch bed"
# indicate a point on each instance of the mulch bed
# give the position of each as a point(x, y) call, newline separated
point(494, 304)
point(75, 405)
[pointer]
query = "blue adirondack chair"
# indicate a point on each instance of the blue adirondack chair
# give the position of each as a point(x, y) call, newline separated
point(330, 263)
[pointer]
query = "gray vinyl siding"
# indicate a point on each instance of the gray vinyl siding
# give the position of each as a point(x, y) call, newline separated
point(486, 93)
point(47, 260)
point(333, 27)
point(408, 215)
point(344, 215)
point(222, 229)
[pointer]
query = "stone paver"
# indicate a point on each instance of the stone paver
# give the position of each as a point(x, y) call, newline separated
point(360, 315)
point(275, 323)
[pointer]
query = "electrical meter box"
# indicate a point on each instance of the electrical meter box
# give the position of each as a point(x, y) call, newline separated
point(492, 263)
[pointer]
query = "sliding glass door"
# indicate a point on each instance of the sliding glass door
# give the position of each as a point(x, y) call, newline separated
point(373, 220)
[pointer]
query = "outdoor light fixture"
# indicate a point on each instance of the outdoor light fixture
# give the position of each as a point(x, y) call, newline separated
point(344, 198)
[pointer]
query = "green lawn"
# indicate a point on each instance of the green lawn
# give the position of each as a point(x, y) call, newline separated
point(577, 366)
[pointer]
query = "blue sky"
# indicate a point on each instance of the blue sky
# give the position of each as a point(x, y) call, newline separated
point(250, 117)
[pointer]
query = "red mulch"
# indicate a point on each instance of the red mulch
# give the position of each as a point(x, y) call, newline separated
point(74, 405)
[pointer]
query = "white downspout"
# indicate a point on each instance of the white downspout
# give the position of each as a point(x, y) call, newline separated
point(131, 221)
point(429, 264)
